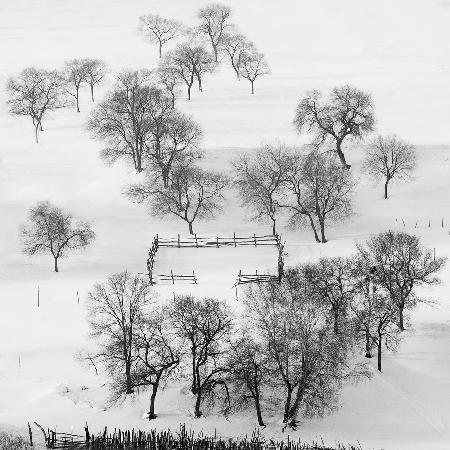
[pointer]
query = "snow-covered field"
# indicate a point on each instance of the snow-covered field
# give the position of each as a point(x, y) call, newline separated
point(399, 51)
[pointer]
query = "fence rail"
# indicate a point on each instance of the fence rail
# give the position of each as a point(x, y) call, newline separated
point(218, 241)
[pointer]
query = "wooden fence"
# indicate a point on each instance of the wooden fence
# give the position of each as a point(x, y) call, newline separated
point(166, 440)
point(256, 278)
point(174, 278)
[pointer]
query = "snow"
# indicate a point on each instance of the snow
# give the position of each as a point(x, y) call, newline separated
point(399, 51)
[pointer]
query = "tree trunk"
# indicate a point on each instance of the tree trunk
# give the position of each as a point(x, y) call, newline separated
point(341, 155)
point(191, 229)
point(78, 99)
point(274, 229)
point(401, 325)
point(379, 351)
point(386, 189)
point(368, 345)
point(189, 92)
point(293, 412)
point(36, 131)
point(322, 230)
point(336, 320)
point(198, 400)
point(287, 406)
point(160, 50)
point(56, 264)
point(253, 89)
point(258, 411)
point(129, 383)
point(200, 88)
point(215, 53)
point(92, 93)
point(151, 413)
point(316, 236)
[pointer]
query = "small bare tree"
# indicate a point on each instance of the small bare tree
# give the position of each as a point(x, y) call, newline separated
point(193, 194)
point(322, 192)
point(96, 71)
point(348, 113)
point(117, 309)
point(50, 229)
point(401, 264)
point(253, 66)
point(123, 118)
point(247, 372)
point(34, 93)
point(214, 21)
point(75, 74)
point(204, 63)
point(169, 78)
point(260, 178)
point(206, 325)
point(236, 46)
point(158, 30)
point(389, 158)
point(159, 352)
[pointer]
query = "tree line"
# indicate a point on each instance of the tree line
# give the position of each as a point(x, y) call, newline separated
point(292, 350)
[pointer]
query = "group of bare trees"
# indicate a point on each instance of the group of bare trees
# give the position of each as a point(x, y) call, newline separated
point(310, 186)
point(139, 123)
point(346, 115)
point(191, 60)
point(295, 346)
point(36, 92)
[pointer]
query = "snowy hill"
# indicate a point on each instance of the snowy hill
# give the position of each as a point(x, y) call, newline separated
point(308, 45)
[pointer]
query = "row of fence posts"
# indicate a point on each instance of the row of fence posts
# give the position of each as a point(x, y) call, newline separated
point(417, 223)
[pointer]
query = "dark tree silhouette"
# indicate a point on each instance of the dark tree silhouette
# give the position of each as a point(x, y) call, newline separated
point(389, 158)
point(236, 46)
point(96, 71)
point(117, 309)
point(260, 178)
point(158, 30)
point(50, 229)
point(206, 325)
point(214, 20)
point(193, 194)
point(75, 74)
point(34, 93)
point(348, 113)
point(253, 65)
point(400, 264)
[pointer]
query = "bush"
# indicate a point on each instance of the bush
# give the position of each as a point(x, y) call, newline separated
point(10, 442)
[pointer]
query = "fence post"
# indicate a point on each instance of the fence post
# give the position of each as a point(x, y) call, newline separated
point(217, 241)
point(171, 274)
point(442, 223)
point(178, 240)
point(196, 242)
point(429, 223)
point(254, 237)
point(38, 297)
point(234, 238)
point(30, 434)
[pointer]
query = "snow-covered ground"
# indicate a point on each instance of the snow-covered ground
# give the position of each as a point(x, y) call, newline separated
point(399, 51)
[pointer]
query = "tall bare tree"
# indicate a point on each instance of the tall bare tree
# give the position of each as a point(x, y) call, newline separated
point(75, 75)
point(169, 78)
point(50, 229)
point(117, 308)
point(158, 30)
point(389, 158)
point(34, 93)
point(206, 325)
point(193, 194)
point(400, 264)
point(348, 113)
point(322, 192)
point(158, 353)
point(214, 21)
point(236, 46)
point(96, 71)
point(123, 120)
point(253, 65)
point(260, 179)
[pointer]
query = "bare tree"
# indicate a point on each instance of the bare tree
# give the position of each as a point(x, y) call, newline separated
point(158, 30)
point(253, 66)
point(117, 309)
point(204, 63)
point(169, 78)
point(50, 229)
point(75, 74)
point(193, 194)
point(389, 158)
point(322, 190)
point(159, 353)
point(247, 370)
point(236, 46)
point(96, 71)
point(206, 325)
point(260, 178)
point(401, 264)
point(375, 315)
point(214, 20)
point(34, 93)
point(123, 118)
point(309, 362)
point(348, 113)
point(333, 283)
